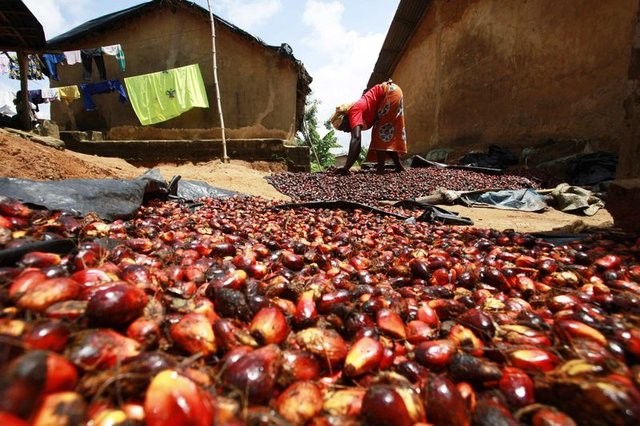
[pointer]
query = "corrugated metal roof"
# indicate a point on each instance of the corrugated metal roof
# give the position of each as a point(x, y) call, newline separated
point(115, 19)
point(19, 29)
point(404, 23)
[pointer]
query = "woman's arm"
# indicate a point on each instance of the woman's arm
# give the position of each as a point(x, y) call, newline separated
point(354, 148)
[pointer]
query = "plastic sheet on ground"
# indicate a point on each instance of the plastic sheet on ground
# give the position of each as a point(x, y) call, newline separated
point(110, 199)
point(520, 199)
point(574, 199)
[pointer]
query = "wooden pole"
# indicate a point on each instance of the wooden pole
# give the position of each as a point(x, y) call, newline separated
point(225, 157)
point(25, 114)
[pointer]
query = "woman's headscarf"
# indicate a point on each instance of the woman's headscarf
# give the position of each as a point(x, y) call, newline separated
point(339, 114)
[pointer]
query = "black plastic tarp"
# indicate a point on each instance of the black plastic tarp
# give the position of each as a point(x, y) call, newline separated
point(110, 199)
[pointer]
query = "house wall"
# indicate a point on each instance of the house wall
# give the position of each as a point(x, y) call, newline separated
point(478, 72)
point(257, 85)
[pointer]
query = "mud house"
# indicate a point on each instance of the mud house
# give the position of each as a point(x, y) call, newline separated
point(518, 74)
point(262, 88)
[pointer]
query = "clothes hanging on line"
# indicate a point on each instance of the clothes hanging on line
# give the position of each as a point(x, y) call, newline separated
point(51, 61)
point(116, 50)
point(50, 94)
point(163, 95)
point(68, 94)
point(73, 57)
point(88, 57)
point(4, 64)
point(7, 103)
point(34, 69)
point(108, 86)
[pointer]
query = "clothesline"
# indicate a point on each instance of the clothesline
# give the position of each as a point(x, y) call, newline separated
point(47, 63)
point(155, 97)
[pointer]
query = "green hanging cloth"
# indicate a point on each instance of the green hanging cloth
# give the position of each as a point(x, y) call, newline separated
point(163, 95)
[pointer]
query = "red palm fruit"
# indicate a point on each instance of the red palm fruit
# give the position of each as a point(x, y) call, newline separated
point(22, 382)
point(517, 387)
point(45, 293)
point(145, 331)
point(630, 340)
point(443, 276)
point(435, 354)
point(23, 282)
point(300, 402)
point(360, 262)
point(517, 334)
point(285, 305)
point(244, 260)
point(89, 256)
point(205, 307)
point(98, 349)
point(608, 261)
point(468, 395)
point(495, 278)
point(363, 356)
point(549, 416)
point(479, 321)
point(62, 408)
point(298, 366)
point(444, 403)
point(115, 305)
point(491, 412)
point(258, 270)
point(38, 259)
point(230, 334)
point(13, 207)
point(235, 280)
point(420, 268)
point(292, 261)
point(66, 310)
point(475, 370)
point(61, 374)
point(525, 285)
point(524, 261)
point(533, 359)
point(193, 334)
point(562, 302)
point(428, 315)
point(223, 249)
point(306, 311)
point(324, 343)
point(254, 374)
point(8, 419)
point(92, 276)
point(173, 399)
point(269, 325)
point(418, 331)
point(569, 329)
point(389, 405)
point(466, 340)
point(345, 402)
point(328, 301)
point(47, 335)
point(390, 323)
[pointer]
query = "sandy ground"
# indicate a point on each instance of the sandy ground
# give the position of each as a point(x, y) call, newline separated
point(23, 158)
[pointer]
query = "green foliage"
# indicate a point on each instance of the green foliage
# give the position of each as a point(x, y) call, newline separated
point(321, 156)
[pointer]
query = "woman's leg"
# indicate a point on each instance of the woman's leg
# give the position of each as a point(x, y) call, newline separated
point(381, 156)
point(396, 160)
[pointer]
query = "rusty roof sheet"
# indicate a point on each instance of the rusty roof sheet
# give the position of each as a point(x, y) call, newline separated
point(404, 23)
point(19, 29)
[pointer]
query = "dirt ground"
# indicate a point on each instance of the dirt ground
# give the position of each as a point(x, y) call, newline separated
point(23, 158)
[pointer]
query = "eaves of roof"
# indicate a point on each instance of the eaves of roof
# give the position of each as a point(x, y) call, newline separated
point(403, 26)
point(19, 29)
